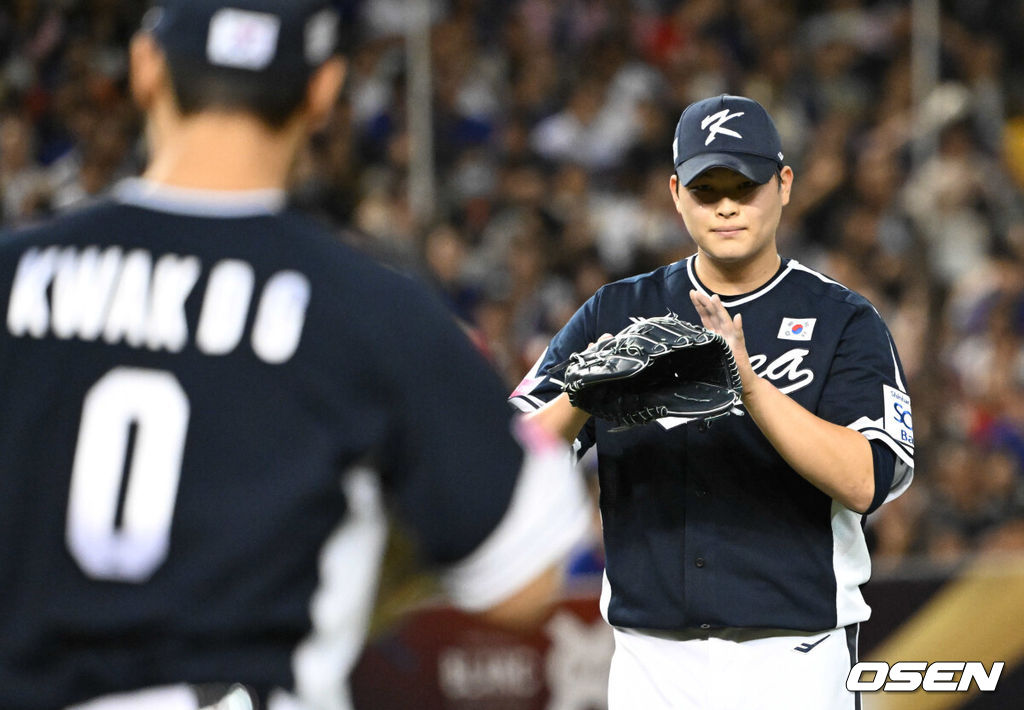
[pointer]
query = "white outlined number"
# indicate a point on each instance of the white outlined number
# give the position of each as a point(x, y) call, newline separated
point(155, 403)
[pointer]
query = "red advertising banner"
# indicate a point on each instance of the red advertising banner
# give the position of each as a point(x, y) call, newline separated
point(441, 659)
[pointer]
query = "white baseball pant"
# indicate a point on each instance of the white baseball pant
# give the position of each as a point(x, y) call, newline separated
point(733, 669)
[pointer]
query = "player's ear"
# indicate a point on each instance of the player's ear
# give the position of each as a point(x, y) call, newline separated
point(148, 70)
point(785, 183)
point(673, 187)
point(322, 92)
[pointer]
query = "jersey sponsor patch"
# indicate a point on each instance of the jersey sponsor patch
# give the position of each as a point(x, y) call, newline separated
point(899, 423)
point(797, 328)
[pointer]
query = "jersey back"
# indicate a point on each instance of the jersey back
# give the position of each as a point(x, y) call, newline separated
point(183, 391)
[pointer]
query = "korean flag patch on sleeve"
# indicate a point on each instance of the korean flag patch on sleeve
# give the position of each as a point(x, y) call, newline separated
point(899, 423)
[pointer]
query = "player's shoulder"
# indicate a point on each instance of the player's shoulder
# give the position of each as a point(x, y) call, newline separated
point(351, 269)
point(649, 282)
point(75, 224)
point(823, 289)
point(323, 244)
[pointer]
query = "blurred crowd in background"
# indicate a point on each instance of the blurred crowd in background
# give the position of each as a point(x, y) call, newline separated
point(553, 123)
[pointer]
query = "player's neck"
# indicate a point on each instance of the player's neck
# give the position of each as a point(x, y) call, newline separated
point(734, 278)
point(220, 151)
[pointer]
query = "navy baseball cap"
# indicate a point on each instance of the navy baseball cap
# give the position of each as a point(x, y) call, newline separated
point(726, 131)
point(279, 39)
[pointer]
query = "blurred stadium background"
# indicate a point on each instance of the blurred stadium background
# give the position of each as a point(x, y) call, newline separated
point(517, 156)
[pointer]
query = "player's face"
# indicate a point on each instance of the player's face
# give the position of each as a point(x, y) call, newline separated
point(731, 218)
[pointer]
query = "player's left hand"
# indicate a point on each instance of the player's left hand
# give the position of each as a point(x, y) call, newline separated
point(715, 318)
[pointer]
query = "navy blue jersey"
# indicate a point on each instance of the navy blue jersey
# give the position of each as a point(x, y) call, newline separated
point(707, 526)
point(208, 406)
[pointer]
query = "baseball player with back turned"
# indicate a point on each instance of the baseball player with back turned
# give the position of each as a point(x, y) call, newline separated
point(735, 550)
point(211, 408)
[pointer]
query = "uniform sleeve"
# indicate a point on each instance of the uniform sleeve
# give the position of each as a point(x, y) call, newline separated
point(548, 516)
point(456, 469)
point(866, 392)
point(542, 384)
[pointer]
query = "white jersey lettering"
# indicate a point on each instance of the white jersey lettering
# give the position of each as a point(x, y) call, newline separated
point(225, 307)
point(127, 317)
point(280, 317)
point(785, 366)
point(173, 280)
point(126, 298)
point(28, 312)
point(82, 289)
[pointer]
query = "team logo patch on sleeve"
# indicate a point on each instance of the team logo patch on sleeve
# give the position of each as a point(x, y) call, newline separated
point(899, 422)
point(797, 328)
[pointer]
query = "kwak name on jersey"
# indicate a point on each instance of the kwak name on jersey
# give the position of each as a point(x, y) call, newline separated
point(138, 299)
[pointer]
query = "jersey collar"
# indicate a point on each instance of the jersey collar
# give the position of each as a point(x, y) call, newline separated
point(199, 203)
point(785, 266)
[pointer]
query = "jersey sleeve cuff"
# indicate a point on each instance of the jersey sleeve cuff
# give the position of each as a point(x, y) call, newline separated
point(873, 431)
point(902, 462)
point(527, 402)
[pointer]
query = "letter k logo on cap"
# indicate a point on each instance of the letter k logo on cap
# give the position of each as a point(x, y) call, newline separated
point(714, 124)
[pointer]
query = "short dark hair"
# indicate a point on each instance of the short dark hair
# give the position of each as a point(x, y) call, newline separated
point(199, 87)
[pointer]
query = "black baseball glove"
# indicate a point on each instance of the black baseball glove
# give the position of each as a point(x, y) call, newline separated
point(656, 367)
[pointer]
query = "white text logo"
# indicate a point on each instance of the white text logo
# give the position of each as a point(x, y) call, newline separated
point(138, 298)
point(785, 366)
point(907, 676)
point(714, 124)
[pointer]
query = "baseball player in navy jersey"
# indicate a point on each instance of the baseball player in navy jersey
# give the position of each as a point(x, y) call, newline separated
point(735, 550)
point(210, 406)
